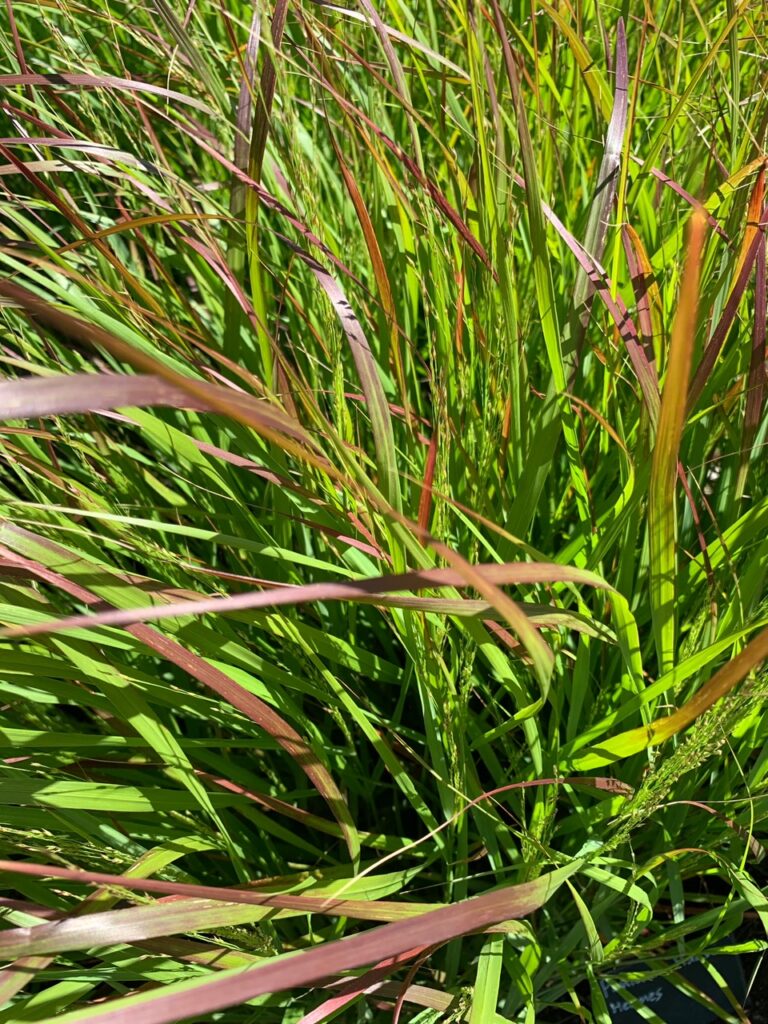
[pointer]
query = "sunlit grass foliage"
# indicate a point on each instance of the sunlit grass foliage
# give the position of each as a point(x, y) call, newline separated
point(383, 506)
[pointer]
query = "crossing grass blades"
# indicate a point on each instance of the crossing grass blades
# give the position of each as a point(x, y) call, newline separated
point(383, 508)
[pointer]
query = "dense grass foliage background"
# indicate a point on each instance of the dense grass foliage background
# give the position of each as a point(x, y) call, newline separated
point(384, 398)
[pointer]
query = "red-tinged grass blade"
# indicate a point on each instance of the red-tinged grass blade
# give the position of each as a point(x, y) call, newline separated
point(244, 114)
point(756, 378)
point(356, 987)
point(481, 577)
point(607, 183)
point(34, 397)
point(647, 296)
point(181, 916)
point(225, 401)
point(754, 237)
point(426, 183)
point(662, 520)
point(266, 95)
point(756, 848)
point(692, 201)
point(643, 367)
point(203, 997)
point(380, 274)
point(76, 81)
point(32, 546)
point(183, 895)
point(634, 740)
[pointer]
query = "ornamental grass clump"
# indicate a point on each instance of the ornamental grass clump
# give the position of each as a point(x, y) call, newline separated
point(383, 509)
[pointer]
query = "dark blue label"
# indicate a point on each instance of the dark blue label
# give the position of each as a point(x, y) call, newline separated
point(670, 1003)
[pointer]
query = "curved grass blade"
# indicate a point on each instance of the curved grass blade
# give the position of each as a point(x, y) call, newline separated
point(635, 740)
point(34, 397)
point(226, 401)
point(480, 576)
point(175, 1003)
point(77, 81)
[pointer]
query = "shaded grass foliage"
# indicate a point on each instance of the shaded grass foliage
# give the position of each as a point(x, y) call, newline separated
point(383, 511)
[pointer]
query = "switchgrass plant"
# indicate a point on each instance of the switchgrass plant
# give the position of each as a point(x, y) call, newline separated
point(384, 507)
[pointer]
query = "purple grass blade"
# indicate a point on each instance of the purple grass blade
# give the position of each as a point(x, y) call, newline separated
point(356, 987)
point(266, 94)
point(607, 184)
point(177, 1003)
point(24, 398)
point(33, 397)
point(644, 370)
point(692, 201)
point(281, 595)
point(245, 101)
